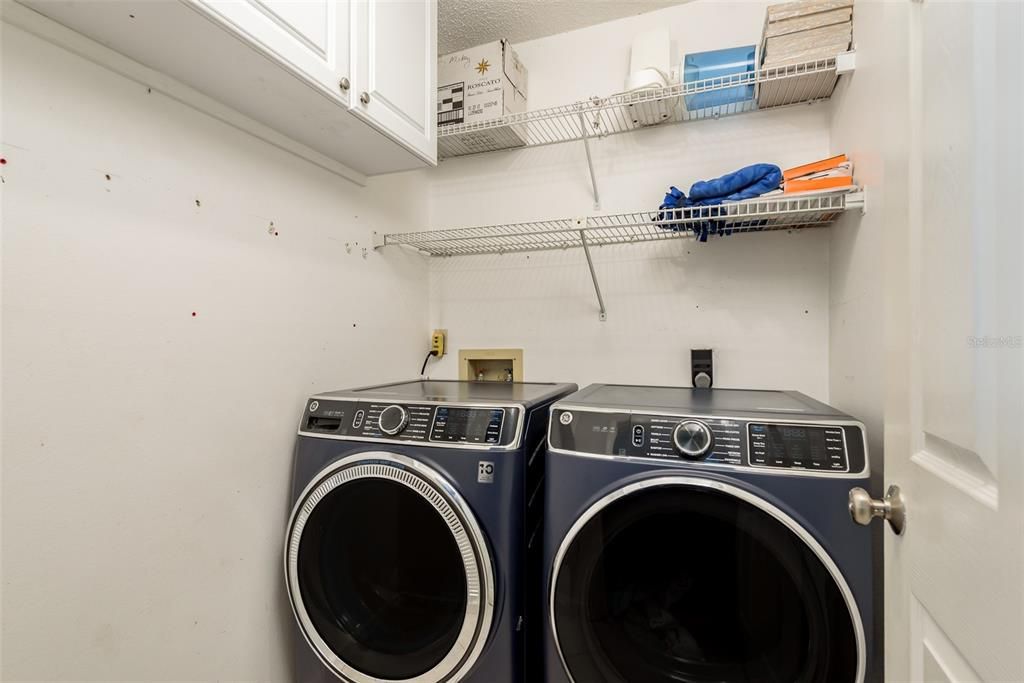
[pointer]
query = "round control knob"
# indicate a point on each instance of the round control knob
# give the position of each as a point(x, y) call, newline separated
point(393, 419)
point(693, 439)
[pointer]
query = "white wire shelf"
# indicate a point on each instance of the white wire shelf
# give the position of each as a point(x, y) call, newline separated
point(768, 88)
point(777, 212)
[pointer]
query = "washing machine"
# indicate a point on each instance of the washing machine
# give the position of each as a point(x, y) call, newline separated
point(416, 508)
point(698, 535)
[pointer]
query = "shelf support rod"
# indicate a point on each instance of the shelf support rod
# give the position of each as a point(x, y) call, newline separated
point(603, 315)
point(590, 163)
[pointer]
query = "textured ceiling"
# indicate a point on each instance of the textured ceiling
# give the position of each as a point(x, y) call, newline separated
point(465, 23)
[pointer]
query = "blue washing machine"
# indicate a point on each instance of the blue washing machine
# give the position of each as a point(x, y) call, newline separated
point(697, 535)
point(416, 508)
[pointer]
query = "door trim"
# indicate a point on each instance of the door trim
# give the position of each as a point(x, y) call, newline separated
point(736, 492)
point(436, 490)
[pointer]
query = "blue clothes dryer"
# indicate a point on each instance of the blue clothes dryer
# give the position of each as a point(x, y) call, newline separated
point(698, 535)
point(408, 538)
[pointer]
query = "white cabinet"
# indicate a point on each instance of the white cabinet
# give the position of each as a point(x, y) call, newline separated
point(351, 80)
point(396, 68)
point(378, 57)
point(311, 37)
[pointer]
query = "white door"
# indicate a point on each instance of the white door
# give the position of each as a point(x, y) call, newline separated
point(955, 580)
point(396, 62)
point(310, 37)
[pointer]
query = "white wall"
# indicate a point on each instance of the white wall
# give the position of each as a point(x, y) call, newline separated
point(870, 114)
point(761, 301)
point(147, 452)
point(859, 244)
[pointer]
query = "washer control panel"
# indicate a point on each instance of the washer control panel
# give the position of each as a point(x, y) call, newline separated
point(711, 440)
point(407, 422)
point(467, 425)
point(692, 439)
point(798, 446)
point(455, 425)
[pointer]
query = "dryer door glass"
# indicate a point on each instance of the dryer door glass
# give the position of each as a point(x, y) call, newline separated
point(379, 572)
point(676, 584)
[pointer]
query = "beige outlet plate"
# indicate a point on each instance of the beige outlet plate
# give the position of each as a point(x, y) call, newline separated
point(439, 342)
point(490, 365)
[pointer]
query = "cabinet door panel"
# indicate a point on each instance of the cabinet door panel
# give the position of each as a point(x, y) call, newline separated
point(306, 20)
point(397, 51)
point(311, 37)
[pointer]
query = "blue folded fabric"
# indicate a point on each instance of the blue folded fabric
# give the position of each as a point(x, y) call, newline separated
point(746, 183)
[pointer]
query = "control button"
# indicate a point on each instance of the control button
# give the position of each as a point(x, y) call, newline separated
point(313, 406)
point(638, 435)
point(692, 439)
point(393, 419)
point(565, 418)
point(357, 421)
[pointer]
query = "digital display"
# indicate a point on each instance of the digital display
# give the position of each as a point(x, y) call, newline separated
point(796, 443)
point(810, 447)
point(468, 425)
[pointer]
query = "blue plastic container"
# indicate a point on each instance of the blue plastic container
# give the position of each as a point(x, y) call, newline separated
point(701, 66)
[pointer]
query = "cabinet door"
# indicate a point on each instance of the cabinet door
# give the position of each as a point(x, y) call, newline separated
point(396, 52)
point(309, 37)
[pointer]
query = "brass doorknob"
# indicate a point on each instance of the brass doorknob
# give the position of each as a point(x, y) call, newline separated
point(864, 508)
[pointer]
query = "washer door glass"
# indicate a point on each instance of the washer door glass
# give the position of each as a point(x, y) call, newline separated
point(688, 584)
point(383, 567)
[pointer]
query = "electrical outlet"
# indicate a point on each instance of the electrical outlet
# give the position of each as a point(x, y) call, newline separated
point(702, 368)
point(439, 342)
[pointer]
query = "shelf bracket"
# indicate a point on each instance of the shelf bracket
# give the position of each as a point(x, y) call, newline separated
point(581, 223)
point(857, 200)
point(590, 161)
point(846, 62)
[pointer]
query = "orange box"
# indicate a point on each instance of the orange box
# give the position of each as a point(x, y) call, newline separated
point(797, 185)
point(814, 167)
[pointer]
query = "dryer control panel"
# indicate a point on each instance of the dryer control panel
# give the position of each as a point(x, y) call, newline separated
point(771, 444)
point(434, 424)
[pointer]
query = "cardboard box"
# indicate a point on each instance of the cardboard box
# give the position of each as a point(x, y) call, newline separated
point(806, 46)
point(482, 84)
point(804, 8)
point(803, 31)
point(843, 15)
point(806, 31)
